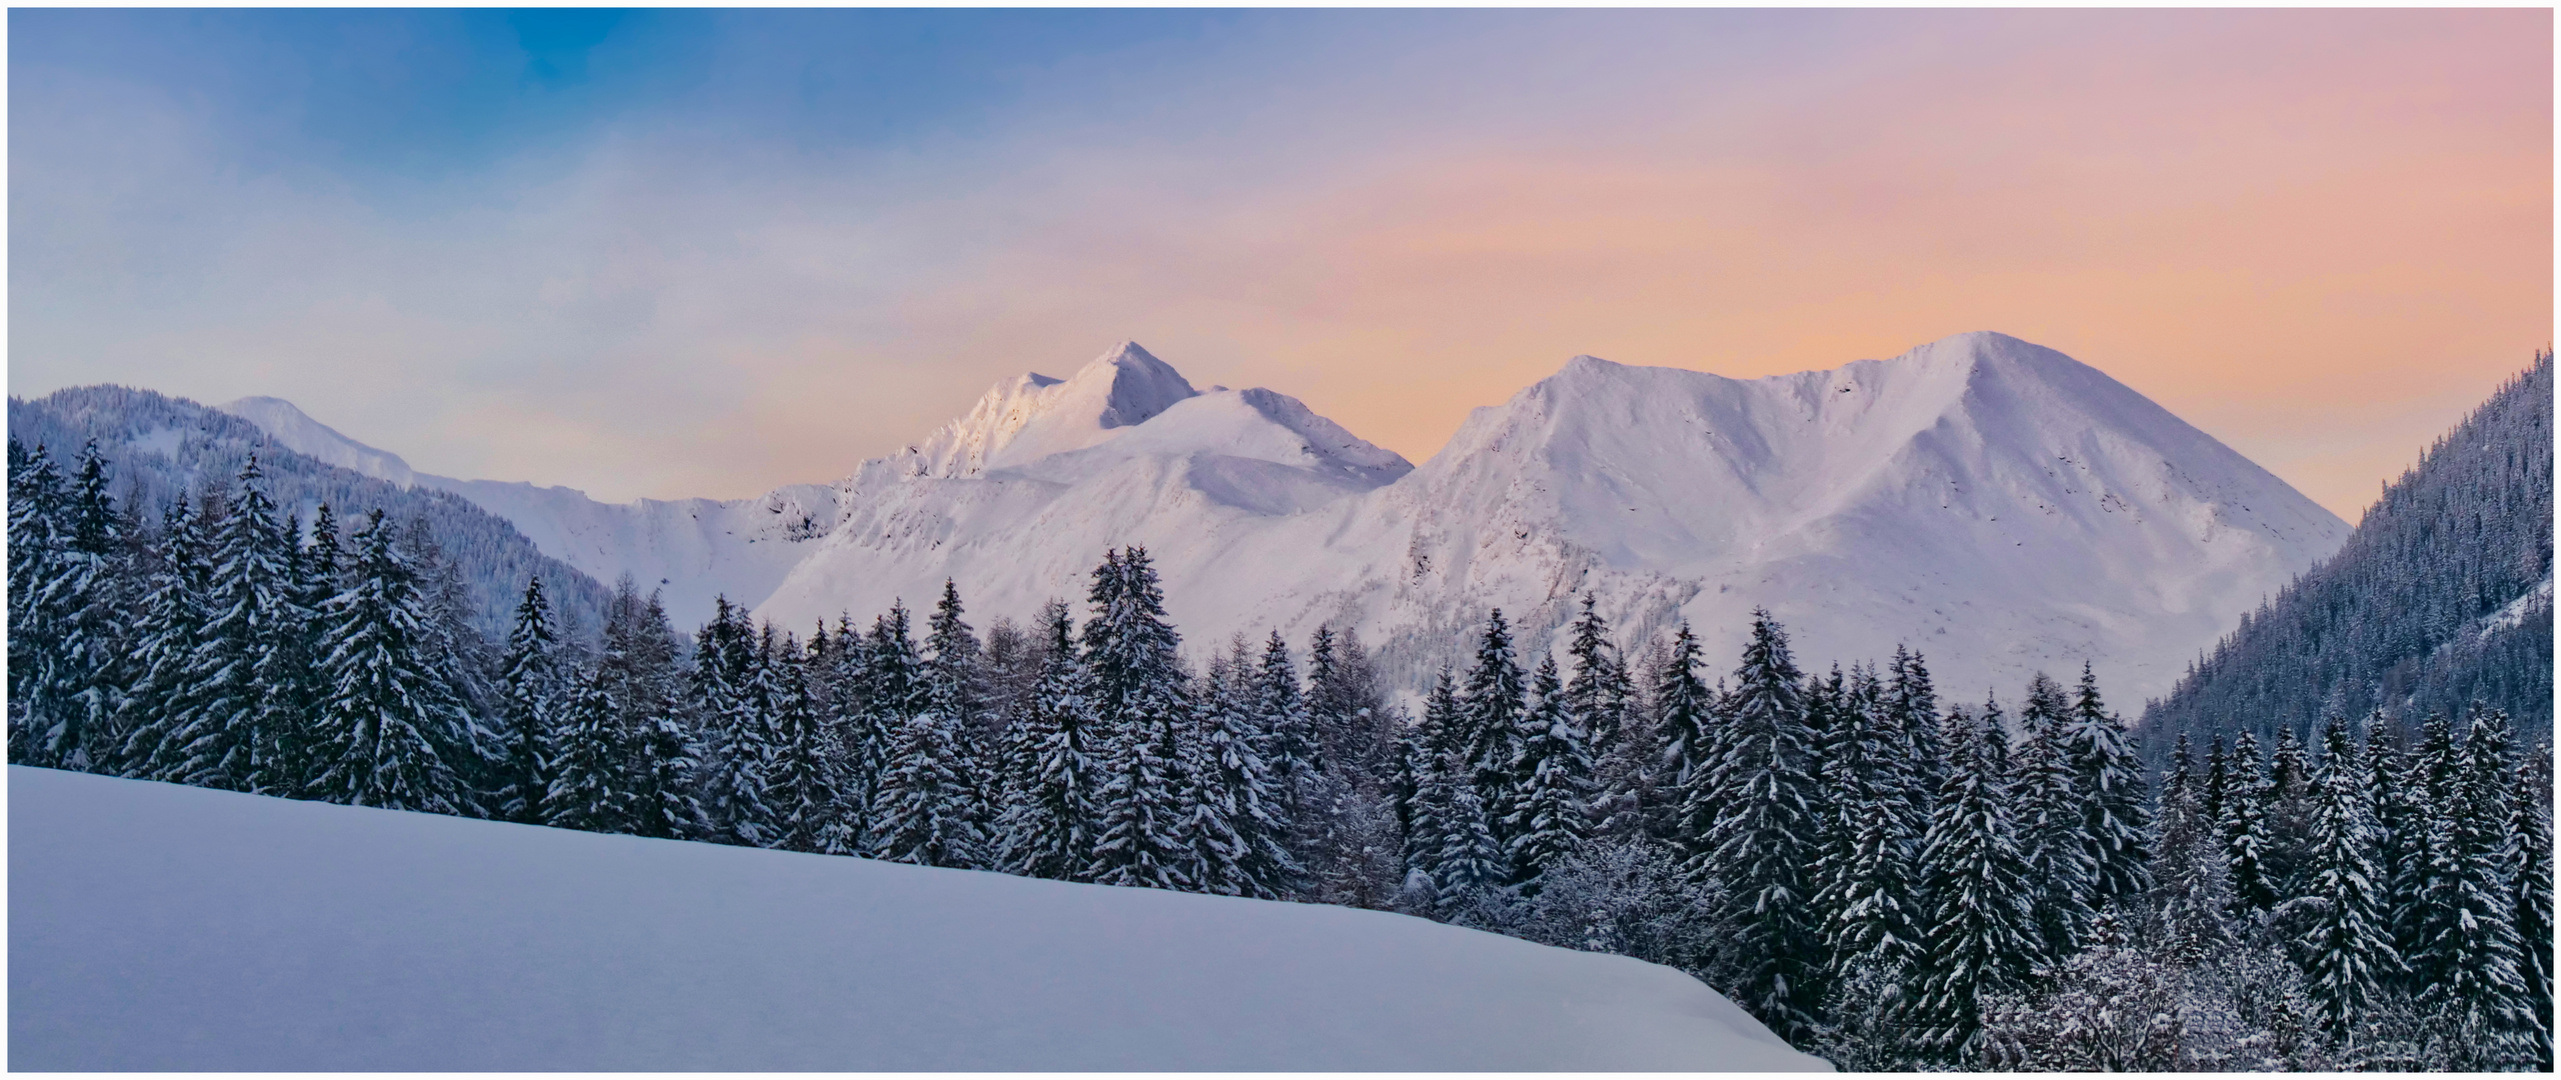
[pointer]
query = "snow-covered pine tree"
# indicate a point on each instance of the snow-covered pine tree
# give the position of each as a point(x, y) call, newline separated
point(2191, 888)
point(587, 789)
point(891, 689)
point(247, 667)
point(2215, 783)
point(1553, 776)
point(1470, 871)
point(90, 601)
point(1238, 839)
point(1685, 715)
point(36, 568)
point(2348, 948)
point(2047, 796)
point(1601, 696)
point(926, 811)
point(2432, 789)
point(529, 685)
point(957, 689)
point(1049, 829)
point(388, 725)
point(1140, 701)
point(739, 740)
point(2245, 829)
point(1758, 850)
point(1490, 711)
point(1911, 706)
point(165, 637)
point(1288, 743)
point(2287, 806)
point(2399, 839)
point(2110, 780)
point(1867, 895)
point(800, 787)
point(2530, 878)
point(1423, 807)
point(2472, 958)
point(1981, 936)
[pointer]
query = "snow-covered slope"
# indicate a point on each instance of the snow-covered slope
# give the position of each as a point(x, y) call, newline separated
point(690, 550)
point(156, 927)
point(1997, 505)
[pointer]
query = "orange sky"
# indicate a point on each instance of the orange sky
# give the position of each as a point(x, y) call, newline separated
point(2321, 236)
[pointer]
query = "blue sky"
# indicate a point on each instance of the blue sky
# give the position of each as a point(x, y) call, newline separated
point(673, 252)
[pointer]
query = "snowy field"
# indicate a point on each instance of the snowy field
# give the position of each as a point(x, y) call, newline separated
point(156, 927)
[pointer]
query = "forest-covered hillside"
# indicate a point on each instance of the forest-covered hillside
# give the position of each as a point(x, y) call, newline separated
point(2442, 596)
point(157, 447)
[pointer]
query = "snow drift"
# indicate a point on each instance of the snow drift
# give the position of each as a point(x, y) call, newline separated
point(156, 927)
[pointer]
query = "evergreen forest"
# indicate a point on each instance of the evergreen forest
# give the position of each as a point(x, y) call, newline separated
point(1886, 878)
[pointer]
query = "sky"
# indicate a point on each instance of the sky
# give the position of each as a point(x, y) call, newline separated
point(676, 253)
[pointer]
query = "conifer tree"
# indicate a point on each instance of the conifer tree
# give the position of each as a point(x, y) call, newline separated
point(1050, 828)
point(1490, 708)
point(2472, 957)
point(1981, 938)
point(800, 783)
point(926, 812)
point(2048, 796)
point(587, 789)
point(166, 635)
point(738, 736)
point(1288, 740)
point(1140, 700)
point(1911, 707)
point(1237, 835)
point(388, 726)
point(1685, 715)
point(2245, 831)
point(87, 604)
point(2348, 948)
point(956, 690)
point(2110, 780)
point(530, 685)
point(2191, 896)
point(247, 663)
point(36, 619)
point(1470, 873)
point(1761, 789)
point(1425, 806)
point(1554, 778)
point(2530, 835)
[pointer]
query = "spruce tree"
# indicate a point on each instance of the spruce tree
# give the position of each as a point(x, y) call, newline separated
point(738, 735)
point(37, 666)
point(388, 725)
point(1424, 809)
point(1911, 707)
point(1050, 828)
point(1140, 700)
point(1490, 711)
point(2530, 877)
point(926, 812)
point(1981, 936)
point(1553, 777)
point(1762, 791)
point(2348, 948)
point(88, 603)
point(2245, 832)
point(2479, 990)
point(800, 778)
point(166, 634)
point(247, 663)
point(1684, 713)
point(2048, 796)
point(2110, 780)
point(2191, 898)
point(530, 685)
point(1238, 837)
point(588, 791)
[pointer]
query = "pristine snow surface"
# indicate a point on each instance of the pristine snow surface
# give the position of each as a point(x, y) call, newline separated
point(157, 927)
point(1998, 506)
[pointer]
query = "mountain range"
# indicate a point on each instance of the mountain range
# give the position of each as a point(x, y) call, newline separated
point(1996, 505)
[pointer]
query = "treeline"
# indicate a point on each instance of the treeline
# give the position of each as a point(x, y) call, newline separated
point(1885, 881)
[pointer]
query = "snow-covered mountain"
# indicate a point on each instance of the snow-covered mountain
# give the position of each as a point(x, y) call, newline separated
point(690, 550)
point(158, 927)
point(1994, 504)
point(1997, 505)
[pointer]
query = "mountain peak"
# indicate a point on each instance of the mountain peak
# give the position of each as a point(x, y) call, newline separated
point(1034, 415)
